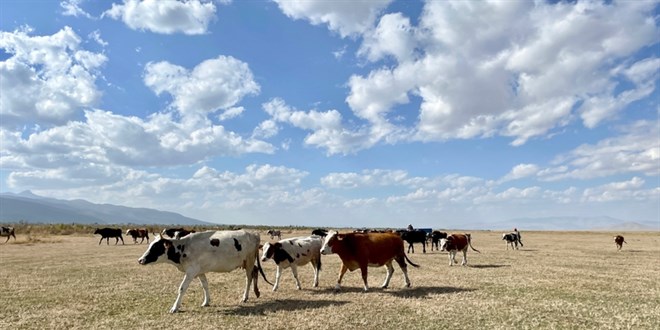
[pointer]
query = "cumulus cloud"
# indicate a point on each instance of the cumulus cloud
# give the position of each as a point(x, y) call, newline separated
point(46, 80)
point(346, 18)
point(214, 84)
point(166, 17)
point(521, 171)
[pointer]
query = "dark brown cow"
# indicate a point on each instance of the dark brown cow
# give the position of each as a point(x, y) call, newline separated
point(138, 233)
point(618, 240)
point(454, 243)
point(7, 231)
point(367, 250)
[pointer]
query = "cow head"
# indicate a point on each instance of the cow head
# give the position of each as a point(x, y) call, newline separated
point(329, 241)
point(445, 243)
point(161, 250)
point(269, 250)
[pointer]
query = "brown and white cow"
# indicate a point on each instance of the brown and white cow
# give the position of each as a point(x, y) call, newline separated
point(138, 233)
point(367, 250)
point(294, 252)
point(454, 243)
point(618, 240)
point(209, 251)
point(7, 231)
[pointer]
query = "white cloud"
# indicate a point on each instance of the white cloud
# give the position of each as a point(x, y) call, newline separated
point(368, 178)
point(346, 18)
point(47, 79)
point(213, 84)
point(623, 190)
point(393, 36)
point(521, 171)
point(72, 8)
point(166, 17)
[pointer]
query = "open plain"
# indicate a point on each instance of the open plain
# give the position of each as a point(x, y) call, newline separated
point(559, 280)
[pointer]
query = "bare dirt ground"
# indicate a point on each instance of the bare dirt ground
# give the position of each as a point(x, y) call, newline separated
point(559, 280)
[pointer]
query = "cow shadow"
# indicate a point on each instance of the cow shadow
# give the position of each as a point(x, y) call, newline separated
point(487, 266)
point(280, 305)
point(414, 292)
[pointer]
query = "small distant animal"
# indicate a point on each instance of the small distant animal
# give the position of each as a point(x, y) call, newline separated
point(320, 232)
point(436, 236)
point(619, 240)
point(108, 233)
point(7, 231)
point(138, 233)
point(511, 239)
point(176, 232)
point(294, 252)
point(414, 236)
point(273, 233)
point(209, 251)
point(367, 250)
point(454, 243)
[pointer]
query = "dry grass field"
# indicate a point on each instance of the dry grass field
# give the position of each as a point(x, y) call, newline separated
point(559, 280)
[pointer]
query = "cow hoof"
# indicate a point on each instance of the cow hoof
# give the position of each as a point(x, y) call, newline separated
point(173, 310)
point(337, 288)
point(383, 286)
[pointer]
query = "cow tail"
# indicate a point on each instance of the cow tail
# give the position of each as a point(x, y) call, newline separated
point(410, 262)
point(262, 272)
point(469, 237)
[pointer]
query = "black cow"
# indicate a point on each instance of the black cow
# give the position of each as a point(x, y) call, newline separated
point(414, 236)
point(436, 236)
point(109, 232)
point(320, 232)
point(176, 232)
point(138, 233)
point(7, 231)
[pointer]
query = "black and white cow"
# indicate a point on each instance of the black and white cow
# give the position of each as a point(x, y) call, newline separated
point(320, 232)
point(107, 233)
point(436, 236)
point(294, 252)
point(7, 231)
point(273, 233)
point(210, 251)
point(176, 232)
point(511, 239)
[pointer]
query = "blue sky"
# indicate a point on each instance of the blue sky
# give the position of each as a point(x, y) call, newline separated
point(446, 114)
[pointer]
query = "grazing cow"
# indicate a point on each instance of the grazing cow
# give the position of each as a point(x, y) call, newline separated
point(320, 232)
point(511, 239)
point(294, 252)
point(107, 233)
point(273, 233)
point(176, 232)
point(454, 243)
point(367, 250)
point(209, 251)
point(7, 231)
point(414, 236)
point(436, 236)
point(138, 233)
point(618, 240)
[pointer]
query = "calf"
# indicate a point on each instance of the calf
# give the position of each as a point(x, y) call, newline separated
point(454, 243)
point(414, 236)
point(107, 233)
point(436, 236)
point(618, 240)
point(209, 251)
point(176, 232)
point(511, 239)
point(9, 232)
point(367, 250)
point(138, 233)
point(294, 252)
point(273, 233)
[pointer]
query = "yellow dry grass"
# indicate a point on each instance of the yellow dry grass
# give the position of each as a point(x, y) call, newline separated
point(559, 280)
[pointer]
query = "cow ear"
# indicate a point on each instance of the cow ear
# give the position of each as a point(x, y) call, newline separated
point(339, 237)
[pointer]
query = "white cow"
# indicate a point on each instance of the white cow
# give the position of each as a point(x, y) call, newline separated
point(209, 251)
point(294, 252)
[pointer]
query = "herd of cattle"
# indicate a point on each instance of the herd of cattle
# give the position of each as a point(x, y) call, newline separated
point(196, 254)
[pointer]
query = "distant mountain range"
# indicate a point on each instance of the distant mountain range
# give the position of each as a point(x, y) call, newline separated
point(31, 208)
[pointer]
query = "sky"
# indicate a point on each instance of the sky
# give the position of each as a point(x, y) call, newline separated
point(377, 113)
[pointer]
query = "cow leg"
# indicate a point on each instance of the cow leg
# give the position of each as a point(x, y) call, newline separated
point(107, 240)
point(424, 247)
point(294, 271)
point(278, 274)
point(342, 271)
point(464, 262)
point(122, 240)
point(317, 268)
point(182, 290)
point(255, 277)
point(390, 270)
point(101, 240)
point(404, 268)
point(364, 269)
point(452, 261)
point(249, 267)
point(205, 287)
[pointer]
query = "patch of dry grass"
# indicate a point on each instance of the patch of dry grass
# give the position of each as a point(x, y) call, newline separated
point(559, 280)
